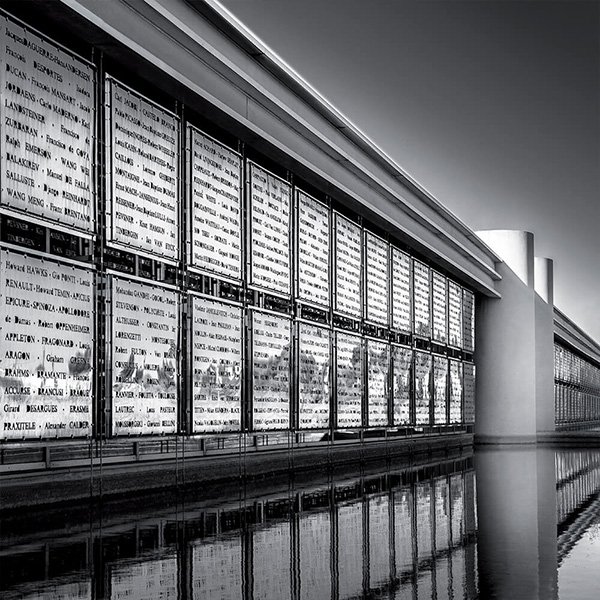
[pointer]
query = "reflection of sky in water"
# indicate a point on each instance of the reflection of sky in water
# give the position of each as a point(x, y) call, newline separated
point(574, 580)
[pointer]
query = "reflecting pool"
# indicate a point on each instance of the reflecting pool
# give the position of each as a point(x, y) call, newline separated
point(516, 523)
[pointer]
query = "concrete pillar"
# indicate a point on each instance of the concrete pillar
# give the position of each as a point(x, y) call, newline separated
point(505, 344)
point(544, 279)
point(544, 344)
point(516, 508)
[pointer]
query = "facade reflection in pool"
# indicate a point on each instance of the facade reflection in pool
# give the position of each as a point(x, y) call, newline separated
point(407, 534)
point(525, 528)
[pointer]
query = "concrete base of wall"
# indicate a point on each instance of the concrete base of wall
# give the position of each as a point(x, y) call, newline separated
point(585, 438)
point(489, 440)
point(171, 477)
point(575, 439)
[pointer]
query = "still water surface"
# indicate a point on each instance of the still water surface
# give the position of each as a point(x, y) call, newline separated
point(500, 524)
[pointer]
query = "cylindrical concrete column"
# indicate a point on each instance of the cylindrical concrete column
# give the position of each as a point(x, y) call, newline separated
point(515, 248)
point(515, 345)
point(505, 354)
point(544, 279)
point(544, 344)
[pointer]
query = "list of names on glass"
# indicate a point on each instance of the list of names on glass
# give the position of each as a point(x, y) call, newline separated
point(424, 526)
point(47, 143)
point(404, 538)
point(270, 371)
point(348, 251)
point(313, 250)
point(440, 318)
point(145, 328)
point(144, 580)
point(46, 362)
point(351, 529)
point(422, 299)
point(401, 291)
point(271, 552)
point(349, 385)
point(380, 534)
point(377, 279)
point(440, 380)
point(402, 365)
point(216, 365)
point(378, 364)
point(456, 391)
point(216, 216)
point(468, 315)
point(314, 556)
point(270, 219)
point(422, 387)
point(457, 508)
point(217, 567)
point(143, 173)
point(455, 314)
point(442, 529)
point(314, 360)
point(469, 392)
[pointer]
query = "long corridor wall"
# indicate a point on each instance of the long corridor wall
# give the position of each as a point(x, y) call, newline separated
point(158, 279)
point(576, 389)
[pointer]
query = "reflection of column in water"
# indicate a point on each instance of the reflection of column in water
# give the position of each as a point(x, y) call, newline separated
point(547, 524)
point(516, 505)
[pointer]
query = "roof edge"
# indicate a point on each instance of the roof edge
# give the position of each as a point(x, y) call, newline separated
point(269, 59)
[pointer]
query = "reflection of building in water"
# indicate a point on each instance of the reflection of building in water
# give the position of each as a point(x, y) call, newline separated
point(577, 495)
point(404, 534)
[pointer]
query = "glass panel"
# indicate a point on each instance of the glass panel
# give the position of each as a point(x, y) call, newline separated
point(270, 371)
point(349, 353)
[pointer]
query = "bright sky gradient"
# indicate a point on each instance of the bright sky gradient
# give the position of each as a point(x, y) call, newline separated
point(492, 105)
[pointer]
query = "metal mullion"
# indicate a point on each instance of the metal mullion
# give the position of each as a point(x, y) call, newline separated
point(184, 366)
point(294, 375)
point(103, 293)
point(333, 387)
point(366, 546)
point(248, 424)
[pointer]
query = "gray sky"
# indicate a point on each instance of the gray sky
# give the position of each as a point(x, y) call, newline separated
point(494, 106)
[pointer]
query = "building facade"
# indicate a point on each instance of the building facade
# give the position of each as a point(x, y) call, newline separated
point(200, 254)
point(164, 276)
